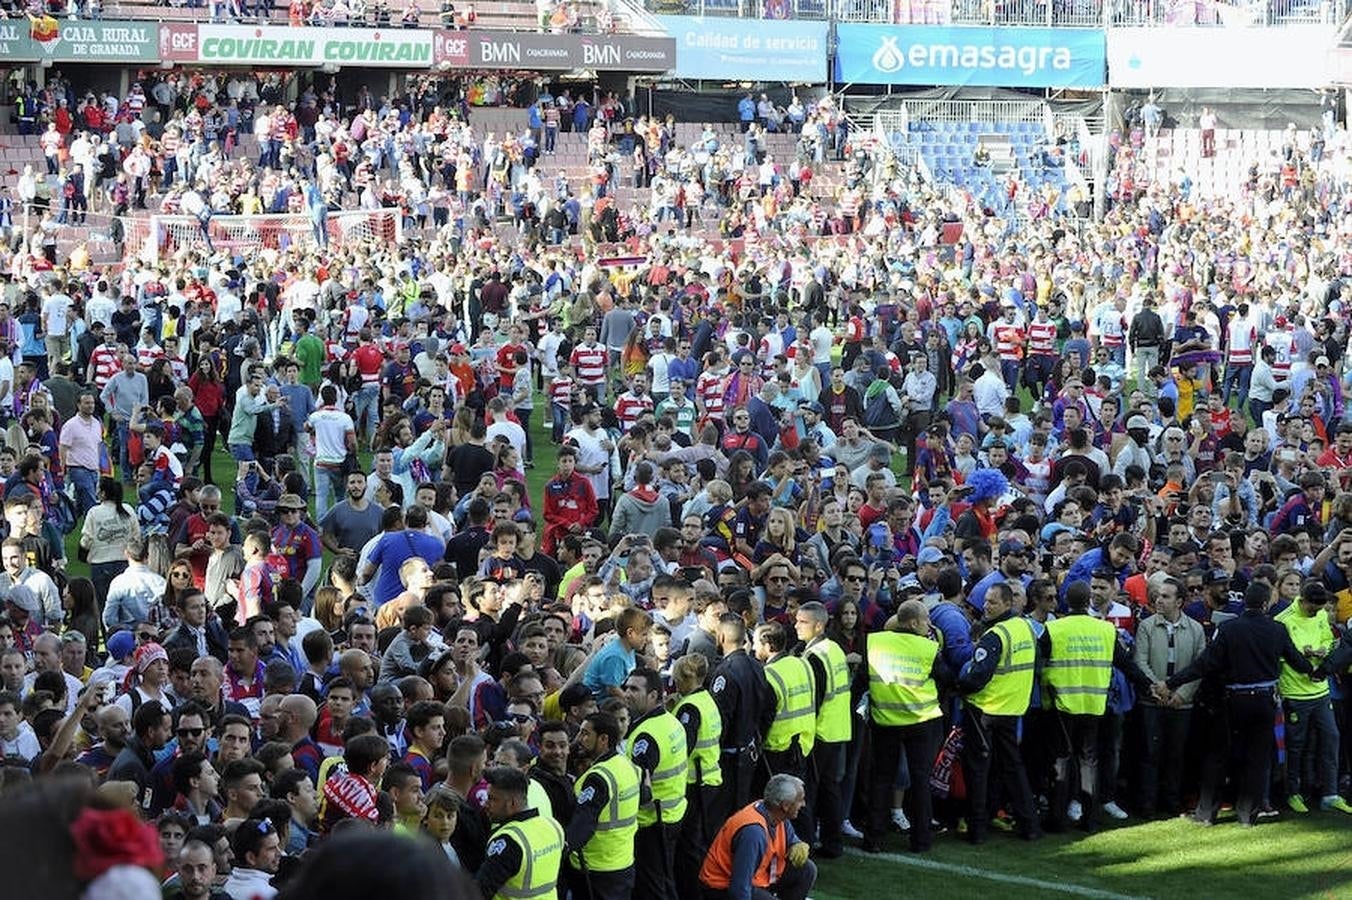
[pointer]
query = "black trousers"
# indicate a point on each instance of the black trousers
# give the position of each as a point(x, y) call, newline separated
point(692, 844)
point(920, 743)
point(1213, 734)
point(785, 762)
point(1164, 735)
point(1252, 714)
point(992, 742)
point(825, 806)
point(587, 885)
point(654, 859)
point(1076, 769)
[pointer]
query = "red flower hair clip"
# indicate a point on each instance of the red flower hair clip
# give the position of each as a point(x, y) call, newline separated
point(113, 837)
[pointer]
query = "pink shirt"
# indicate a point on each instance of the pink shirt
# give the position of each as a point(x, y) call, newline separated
point(81, 441)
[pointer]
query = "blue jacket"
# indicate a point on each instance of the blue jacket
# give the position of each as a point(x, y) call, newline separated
point(746, 109)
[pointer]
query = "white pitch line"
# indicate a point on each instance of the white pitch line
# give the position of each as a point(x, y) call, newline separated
point(920, 862)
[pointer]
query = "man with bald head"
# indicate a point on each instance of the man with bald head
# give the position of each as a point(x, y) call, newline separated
point(47, 658)
point(114, 726)
point(902, 678)
point(295, 718)
point(358, 667)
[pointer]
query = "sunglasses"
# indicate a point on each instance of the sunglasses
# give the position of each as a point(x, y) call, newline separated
point(855, 577)
point(522, 718)
point(146, 636)
point(190, 732)
point(179, 573)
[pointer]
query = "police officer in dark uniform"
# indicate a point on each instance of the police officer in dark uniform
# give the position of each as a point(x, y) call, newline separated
point(747, 706)
point(1245, 656)
point(998, 684)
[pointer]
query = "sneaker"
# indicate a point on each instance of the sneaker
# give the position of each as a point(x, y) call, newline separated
point(850, 831)
point(1267, 812)
point(899, 821)
point(1000, 823)
point(1074, 811)
point(1296, 804)
point(1335, 803)
point(1115, 811)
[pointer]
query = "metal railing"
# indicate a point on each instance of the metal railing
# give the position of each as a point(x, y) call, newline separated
point(1208, 13)
point(982, 111)
point(1066, 13)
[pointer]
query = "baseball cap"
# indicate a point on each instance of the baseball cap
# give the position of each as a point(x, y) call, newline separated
point(1137, 422)
point(1012, 547)
point(1322, 361)
point(458, 349)
point(121, 644)
point(290, 501)
point(812, 405)
point(1216, 576)
point(930, 556)
point(1052, 529)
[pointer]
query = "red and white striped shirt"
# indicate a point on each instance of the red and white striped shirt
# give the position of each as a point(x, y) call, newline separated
point(590, 362)
point(105, 362)
point(561, 391)
point(1042, 338)
point(1009, 341)
point(146, 356)
point(628, 408)
point(709, 386)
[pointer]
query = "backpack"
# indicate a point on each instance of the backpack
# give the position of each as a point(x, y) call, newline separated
point(879, 412)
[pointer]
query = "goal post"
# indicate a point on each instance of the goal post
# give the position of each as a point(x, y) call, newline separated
point(161, 236)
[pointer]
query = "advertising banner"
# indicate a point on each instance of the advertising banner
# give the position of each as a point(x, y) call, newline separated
point(746, 49)
point(255, 45)
point(600, 52)
point(953, 55)
point(25, 40)
point(1293, 56)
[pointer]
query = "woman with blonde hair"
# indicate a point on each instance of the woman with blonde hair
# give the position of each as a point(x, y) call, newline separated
point(778, 545)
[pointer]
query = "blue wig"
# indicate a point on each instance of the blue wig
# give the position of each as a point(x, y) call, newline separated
point(986, 484)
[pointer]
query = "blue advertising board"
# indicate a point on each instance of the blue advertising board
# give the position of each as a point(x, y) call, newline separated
point(748, 49)
point(951, 55)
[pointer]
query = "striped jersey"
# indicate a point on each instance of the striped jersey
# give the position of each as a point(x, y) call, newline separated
point(589, 361)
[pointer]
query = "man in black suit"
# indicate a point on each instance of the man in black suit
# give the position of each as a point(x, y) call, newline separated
point(199, 629)
point(275, 433)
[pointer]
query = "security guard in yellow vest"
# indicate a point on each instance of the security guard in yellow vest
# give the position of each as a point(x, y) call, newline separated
point(525, 850)
point(902, 677)
point(1310, 723)
point(1079, 653)
point(793, 731)
point(835, 727)
point(703, 723)
point(657, 746)
point(599, 840)
point(998, 685)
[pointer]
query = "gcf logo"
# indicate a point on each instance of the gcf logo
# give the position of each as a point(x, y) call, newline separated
point(889, 57)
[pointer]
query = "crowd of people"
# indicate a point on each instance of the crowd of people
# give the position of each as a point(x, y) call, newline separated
point(838, 530)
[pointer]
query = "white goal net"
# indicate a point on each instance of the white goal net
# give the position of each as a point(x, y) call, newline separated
point(161, 236)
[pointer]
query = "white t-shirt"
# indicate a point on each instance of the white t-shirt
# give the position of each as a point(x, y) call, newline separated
point(514, 433)
point(57, 309)
point(331, 427)
point(7, 378)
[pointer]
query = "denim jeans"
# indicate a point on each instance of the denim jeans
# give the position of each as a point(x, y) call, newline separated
point(242, 452)
point(1237, 377)
point(558, 415)
point(366, 400)
point(123, 464)
point(86, 483)
point(523, 416)
point(1312, 746)
point(329, 484)
point(102, 574)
